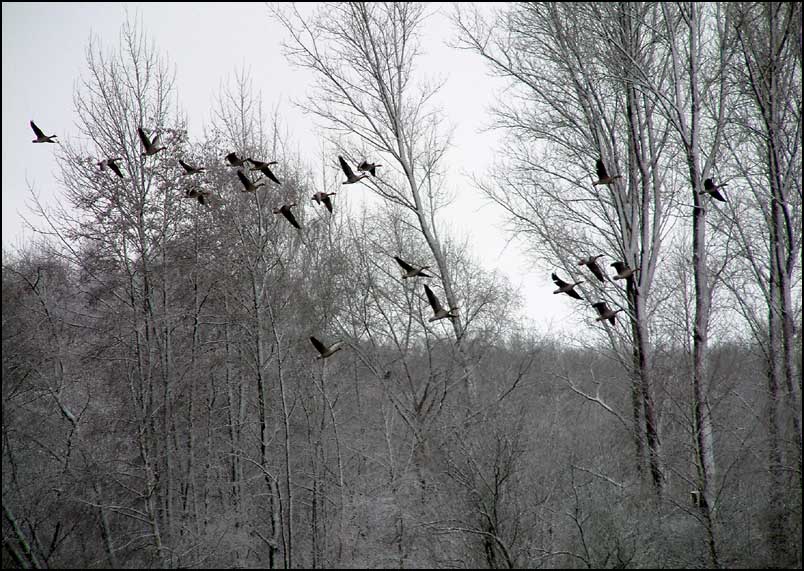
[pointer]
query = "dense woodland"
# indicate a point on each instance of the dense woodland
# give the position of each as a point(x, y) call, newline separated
point(164, 407)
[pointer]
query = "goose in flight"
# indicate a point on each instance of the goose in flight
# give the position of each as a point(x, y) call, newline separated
point(151, 148)
point(711, 189)
point(324, 350)
point(366, 166)
point(249, 186)
point(199, 195)
point(40, 136)
point(284, 210)
point(591, 263)
point(567, 288)
point(603, 176)
point(409, 271)
point(351, 177)
point(110, 163)
point(320, 197)
point(440, 312)
point(264, 168)
point(234, 160)
point(190, 169)
point(605, 312)
point(623, 271)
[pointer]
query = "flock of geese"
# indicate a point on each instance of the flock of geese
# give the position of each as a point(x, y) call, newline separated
point(152, 147)
point(624, 272)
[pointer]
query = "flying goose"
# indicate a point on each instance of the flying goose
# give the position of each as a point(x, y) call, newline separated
point(234, 160)
point(40, 136)
point(200, 195)
point(409, 271)
point(250, 186)
point(605, 312)
point(320, 197)
point(190, 169)
point(324, 350)
point(351, 177)
point(112, 165)
point(366, 166)
point(591, 263)
point(567, 288)
point(151, 148)
point(711, 189)
point(440, 312)
point(602, 175)
point(623, 271)
point(264, 168)
point(284, 210)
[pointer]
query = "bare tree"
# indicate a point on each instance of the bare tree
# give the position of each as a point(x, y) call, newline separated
point(363, 56)
point(129, 221)
point(576, 102)
point(697, 82)
point(764, 144)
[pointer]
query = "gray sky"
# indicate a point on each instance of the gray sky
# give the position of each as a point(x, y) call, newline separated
point(44, 47)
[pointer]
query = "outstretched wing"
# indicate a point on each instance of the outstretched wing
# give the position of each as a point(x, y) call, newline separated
point(267, 172)
point(596, 270)
point(233, 159)
point(289, 215)
point(717, 196)
point(186, 167)
point(432, 299)
point(37, 131)
point(405, 266)
point(244, 179)
point(327, 203)
point(601, 169)
point(558, 281)
point(709, 185)
point(575, 294)
point(601, 307)
point(318, 345)
point(144, 138)
point(116, 169)
point(346, 168)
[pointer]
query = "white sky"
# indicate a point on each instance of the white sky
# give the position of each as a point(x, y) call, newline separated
point(44, 56)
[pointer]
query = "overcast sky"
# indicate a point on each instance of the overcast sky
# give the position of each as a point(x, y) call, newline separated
point(44, 46)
